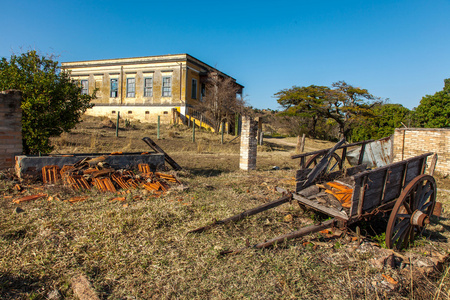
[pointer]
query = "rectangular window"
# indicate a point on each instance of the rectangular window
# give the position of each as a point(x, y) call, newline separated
point(194, 89)
point(131, 87)
point(114, 88)
point(84, 87)
point(148, 87)
point(167, 86)
point(202, 92)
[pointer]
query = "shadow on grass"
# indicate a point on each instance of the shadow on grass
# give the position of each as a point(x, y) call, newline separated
point(22, 286)
point(205, 172)
point(278, 147)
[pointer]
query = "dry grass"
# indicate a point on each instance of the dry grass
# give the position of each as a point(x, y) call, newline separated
point(141, 250)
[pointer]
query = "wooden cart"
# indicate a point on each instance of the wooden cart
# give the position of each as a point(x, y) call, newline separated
point(401, 190)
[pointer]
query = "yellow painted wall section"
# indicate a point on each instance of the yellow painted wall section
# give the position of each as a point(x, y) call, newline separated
point(192, 74)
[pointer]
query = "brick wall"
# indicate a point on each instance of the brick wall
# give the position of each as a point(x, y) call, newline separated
point(248, 144)
point(10, 127)
point(410, 142)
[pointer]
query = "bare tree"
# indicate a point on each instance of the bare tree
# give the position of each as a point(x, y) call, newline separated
point(220, 101)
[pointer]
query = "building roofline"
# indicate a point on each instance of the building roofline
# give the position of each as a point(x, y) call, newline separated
point(142, 59)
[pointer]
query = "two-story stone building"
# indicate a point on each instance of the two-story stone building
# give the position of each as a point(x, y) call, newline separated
point(143, 87)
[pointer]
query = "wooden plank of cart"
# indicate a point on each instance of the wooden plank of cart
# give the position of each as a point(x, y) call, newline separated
point(401, 189)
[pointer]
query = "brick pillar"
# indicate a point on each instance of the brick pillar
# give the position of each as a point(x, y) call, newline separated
point(10, 127)
point(248, 144)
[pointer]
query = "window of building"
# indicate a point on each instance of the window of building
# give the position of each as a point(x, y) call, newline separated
point(147, 112)
point(114, 87)
point(130, 112)
point(194, 89)
point(148, 87)
point(131, 87)
point(167, 86)
point(84, 87)
point(113, 112)
point(202, 92)
point(166, 112)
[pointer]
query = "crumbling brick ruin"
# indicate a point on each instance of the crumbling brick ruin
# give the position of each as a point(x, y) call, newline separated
point(10, 127)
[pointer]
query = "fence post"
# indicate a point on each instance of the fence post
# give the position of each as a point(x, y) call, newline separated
point(117, 124)
point(303, 143)
point(223, 127)
point(157, 131)
point(193, 132)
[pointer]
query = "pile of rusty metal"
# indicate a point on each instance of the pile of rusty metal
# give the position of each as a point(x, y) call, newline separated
point(95, 172)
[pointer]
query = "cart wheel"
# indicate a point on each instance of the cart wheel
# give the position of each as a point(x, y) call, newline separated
point(334, 162)
point(411, 212)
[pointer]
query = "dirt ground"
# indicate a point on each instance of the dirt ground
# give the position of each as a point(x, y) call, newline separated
point(138, 247)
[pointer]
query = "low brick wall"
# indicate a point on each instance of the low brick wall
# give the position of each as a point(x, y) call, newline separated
point(10, 127)
point(410, 142)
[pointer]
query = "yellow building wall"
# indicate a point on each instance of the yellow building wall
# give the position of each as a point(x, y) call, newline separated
point(181, 67)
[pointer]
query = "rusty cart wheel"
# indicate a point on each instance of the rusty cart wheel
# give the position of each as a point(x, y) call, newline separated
point(335, 162)
point(411, 212)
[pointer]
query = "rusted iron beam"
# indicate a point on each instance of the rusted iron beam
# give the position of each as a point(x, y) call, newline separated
point(247, 213)
point(168, 159)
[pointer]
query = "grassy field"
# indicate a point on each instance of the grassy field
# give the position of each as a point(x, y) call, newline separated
point(139, 248)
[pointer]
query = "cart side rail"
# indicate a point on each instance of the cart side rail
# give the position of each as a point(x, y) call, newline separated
point(376, 187)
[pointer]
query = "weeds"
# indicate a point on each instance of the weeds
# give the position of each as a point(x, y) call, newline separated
point(142, 250)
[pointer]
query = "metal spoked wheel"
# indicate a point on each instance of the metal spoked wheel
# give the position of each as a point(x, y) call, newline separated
point(333, 164)
point(411, 212)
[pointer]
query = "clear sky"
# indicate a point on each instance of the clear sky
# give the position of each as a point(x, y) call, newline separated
point(396, 49)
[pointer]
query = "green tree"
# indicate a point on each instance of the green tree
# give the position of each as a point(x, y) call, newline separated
point(305, 102)
point(434, 110)
point(342, 104)
point(385, 118)
point(52, 102)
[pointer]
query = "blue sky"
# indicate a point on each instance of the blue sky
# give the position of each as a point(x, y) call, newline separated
point(396, 49)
